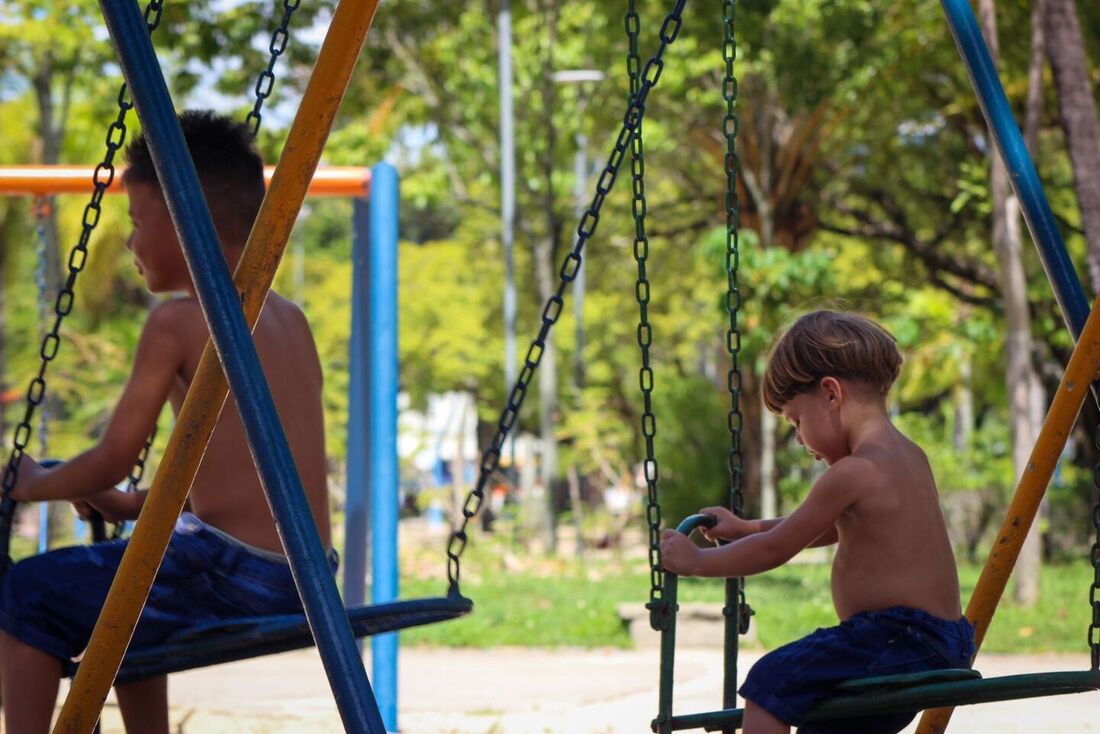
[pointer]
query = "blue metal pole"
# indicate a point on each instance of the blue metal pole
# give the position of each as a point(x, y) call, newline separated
point(43, 527)
point(383, 382)
point(1010, 142)
point(229, 331)
point(358, 504)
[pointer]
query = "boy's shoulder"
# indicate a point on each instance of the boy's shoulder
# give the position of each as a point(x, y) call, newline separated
point(878, 465)
point(851, 472)
point(181, 320)
point(176, 310)
point(174, 320)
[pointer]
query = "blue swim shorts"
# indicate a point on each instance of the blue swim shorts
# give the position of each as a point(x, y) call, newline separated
point(788, 681)
point(51, 601)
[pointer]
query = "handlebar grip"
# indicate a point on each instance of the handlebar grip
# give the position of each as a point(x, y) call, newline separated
point(700, 520)
point(98, 527)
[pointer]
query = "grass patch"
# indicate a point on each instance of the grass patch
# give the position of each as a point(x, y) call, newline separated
point(558, 603)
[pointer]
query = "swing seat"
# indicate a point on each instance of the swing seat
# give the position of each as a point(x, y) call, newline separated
point(249, 637)
point(915, 692)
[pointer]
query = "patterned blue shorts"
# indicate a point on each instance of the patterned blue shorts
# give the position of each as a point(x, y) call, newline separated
point(51, 601)
point(788, 681)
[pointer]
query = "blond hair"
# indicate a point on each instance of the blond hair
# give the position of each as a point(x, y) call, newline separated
point(829, 344)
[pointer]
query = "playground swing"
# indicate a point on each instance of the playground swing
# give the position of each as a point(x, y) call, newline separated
point(229, 640)
point(878, 695)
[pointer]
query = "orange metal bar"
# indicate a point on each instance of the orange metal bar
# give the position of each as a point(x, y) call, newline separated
point(1074, 387)
point(43, 180)
point(208, 392)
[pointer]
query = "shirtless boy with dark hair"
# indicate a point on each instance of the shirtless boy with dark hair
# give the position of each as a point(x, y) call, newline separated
point(225, 558)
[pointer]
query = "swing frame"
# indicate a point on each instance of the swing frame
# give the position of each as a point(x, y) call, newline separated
point(938, 690)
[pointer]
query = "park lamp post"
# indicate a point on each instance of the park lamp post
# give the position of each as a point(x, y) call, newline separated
point(507, 208)
point(583, 78)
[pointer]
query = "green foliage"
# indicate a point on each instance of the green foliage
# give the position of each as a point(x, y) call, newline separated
point(865, 111)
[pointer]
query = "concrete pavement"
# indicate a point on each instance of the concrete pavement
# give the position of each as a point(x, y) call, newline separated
point(525, 691)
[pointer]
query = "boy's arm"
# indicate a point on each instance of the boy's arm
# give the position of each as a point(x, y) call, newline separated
point(812, 523)
point(731, 527)
point(112, 504)
point(157, 361)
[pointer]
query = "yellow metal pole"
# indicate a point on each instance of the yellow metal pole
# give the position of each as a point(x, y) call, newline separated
point(1072, 391)
point(208, 392)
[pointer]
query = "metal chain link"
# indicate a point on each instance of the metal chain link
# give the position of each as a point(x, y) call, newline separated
point(133, 481)
point(734, 418)
point(552, 309)
point(639, 207)
point(265, 83)
point(102, 178)
point(1094, 590)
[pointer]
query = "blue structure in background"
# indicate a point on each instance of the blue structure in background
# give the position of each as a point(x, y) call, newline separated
point(383, 387)
point(222, 309)
point(1025, 180)
point(372, 464)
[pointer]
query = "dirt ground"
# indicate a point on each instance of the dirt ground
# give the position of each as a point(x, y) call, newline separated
point(521, 691)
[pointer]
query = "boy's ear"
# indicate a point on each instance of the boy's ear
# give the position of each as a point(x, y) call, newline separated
point(832, 390)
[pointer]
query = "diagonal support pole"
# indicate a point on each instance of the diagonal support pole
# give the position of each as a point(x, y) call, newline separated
point(200, 411)
point(1025, 180)
point(1082, 369)
point(1072, 391)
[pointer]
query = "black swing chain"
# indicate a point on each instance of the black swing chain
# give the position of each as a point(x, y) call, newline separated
point(102, 178)
point(552, 309)
point(265, 83)
point(734, 419)
point(658, 613)
point(1094, 590)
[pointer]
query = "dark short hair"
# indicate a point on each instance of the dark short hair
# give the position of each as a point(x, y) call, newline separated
point(830, 344)
point(230, 168)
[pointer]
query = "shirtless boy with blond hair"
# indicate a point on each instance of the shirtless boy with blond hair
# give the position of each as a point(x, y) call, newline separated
point(894, 583)
point(225, 559)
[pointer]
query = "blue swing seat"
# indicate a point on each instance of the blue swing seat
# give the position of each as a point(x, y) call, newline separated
point(249, 637)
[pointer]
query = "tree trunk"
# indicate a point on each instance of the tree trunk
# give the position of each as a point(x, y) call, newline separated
point(1077, 111)
point(1013, 287)
point(576, 507)
point(548, 396)
point(545, 250)
point(3, 331)
point(1025, 423)
point(964, 407)
point(759, 186)
point(1037, 53)
point(458, 463)
point(769, 500)
point(59, 517)
point(51, 136)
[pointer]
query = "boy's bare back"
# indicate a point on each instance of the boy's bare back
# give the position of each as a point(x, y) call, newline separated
point(227, 492)
point(893, 548)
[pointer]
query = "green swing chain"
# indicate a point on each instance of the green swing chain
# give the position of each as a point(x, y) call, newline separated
point(657, 611)
point(265, 83)
point(552, 309)
point(101, 179)
point(734, 419)
point(1094, 590)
